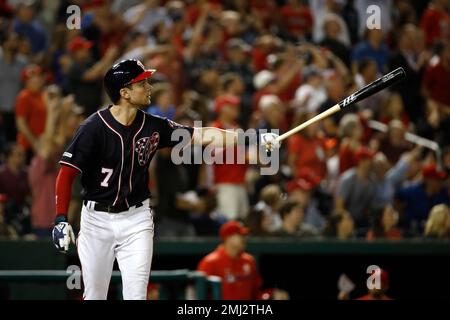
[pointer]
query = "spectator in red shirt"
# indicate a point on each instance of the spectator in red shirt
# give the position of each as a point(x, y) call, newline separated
point(351, 132)
point(306, 149)
point(236, 268)
point(262, 47)
point(436, 22)
point(30, 108)
point(296, 20)
point(436, 82)
point(261, 14)
point(230, 178)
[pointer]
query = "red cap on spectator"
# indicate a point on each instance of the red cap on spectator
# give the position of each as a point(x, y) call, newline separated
point(222, 101)
point(3, 197)
point(297, 184)
point(232, 227)
point(431, 172)
point(363, 154)
point(30, 71)
point(79, 43)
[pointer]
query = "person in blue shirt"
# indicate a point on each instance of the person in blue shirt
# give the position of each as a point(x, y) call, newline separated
point(163, 102)
point(373, 47)
point(389, 179)
point(418, 199)
point(25, 25)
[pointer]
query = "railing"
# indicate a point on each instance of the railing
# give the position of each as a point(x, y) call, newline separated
point(205, 286)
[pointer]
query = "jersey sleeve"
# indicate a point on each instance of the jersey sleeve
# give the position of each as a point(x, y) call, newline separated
point(172, 133)
point(79, 152)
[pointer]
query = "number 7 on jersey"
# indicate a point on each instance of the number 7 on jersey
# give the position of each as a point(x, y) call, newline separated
point(108, 172)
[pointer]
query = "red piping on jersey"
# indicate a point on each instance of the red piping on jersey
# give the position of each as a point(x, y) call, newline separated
point(63, 189)
point(121, 165)
point(71, 165)
point(132, 152)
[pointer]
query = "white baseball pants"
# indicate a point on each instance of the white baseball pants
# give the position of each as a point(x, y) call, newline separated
point(125, 236)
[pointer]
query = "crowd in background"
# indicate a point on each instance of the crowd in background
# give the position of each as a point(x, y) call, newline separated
point(262, 64)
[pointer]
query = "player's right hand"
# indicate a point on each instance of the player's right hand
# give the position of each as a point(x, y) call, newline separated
point(269, 141)
point(62, 235)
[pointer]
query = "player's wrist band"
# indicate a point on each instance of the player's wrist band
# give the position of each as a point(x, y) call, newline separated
point(60, 218)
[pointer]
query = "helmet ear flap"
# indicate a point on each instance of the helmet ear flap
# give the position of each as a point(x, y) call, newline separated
point(115, 97)
point(113, 94)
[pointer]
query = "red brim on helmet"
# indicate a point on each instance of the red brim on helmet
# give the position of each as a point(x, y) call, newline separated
point(144, 75)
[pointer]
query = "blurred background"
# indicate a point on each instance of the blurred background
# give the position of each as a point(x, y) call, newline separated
point(367, 186)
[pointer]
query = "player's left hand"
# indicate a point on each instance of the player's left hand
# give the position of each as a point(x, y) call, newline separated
point(269, 141)
point(62, 236)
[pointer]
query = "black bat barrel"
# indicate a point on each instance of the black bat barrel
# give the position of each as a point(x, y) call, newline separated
point(385, 81)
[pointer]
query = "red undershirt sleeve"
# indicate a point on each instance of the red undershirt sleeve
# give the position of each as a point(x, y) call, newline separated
point(63, 189)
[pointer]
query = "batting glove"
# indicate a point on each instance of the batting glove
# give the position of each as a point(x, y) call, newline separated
point(62, 234)
point(269, 141)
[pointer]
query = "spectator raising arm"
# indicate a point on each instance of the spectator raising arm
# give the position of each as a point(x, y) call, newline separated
point(98, 70)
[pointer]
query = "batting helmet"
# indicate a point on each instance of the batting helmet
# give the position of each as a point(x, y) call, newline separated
point(123, 74)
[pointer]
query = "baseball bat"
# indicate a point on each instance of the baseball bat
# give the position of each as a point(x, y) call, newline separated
point(385, 81)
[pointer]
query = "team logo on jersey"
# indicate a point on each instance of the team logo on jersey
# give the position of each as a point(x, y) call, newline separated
point(145, 147)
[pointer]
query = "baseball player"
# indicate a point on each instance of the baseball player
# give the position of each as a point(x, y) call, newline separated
point(112, 150)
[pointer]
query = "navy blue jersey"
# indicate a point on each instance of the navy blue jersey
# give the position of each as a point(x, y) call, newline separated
point(113, 159)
